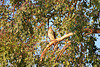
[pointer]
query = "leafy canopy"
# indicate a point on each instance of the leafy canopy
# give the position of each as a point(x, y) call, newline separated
point(24, 26)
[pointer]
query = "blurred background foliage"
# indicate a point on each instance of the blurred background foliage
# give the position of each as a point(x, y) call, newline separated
point(24, 26)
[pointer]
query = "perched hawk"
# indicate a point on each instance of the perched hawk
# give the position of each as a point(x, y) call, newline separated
point(51, 34)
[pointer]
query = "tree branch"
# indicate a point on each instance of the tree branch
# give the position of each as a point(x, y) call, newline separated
point(63, 49)
point(52, 42)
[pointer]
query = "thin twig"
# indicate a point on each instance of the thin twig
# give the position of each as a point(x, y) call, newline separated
point(63, 49)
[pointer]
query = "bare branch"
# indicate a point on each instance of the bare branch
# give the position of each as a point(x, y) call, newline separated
point(63, 49)
point(56, 40)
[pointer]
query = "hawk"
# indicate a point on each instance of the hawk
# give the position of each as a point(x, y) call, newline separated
point(51, 34)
